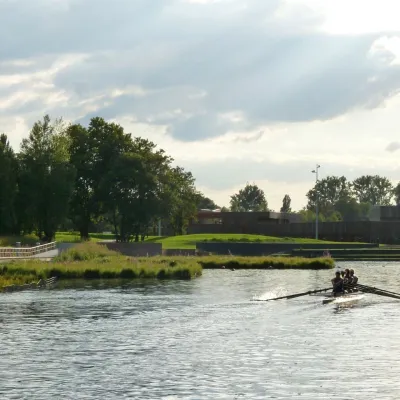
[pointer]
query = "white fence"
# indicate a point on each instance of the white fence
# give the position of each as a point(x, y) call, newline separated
point(21, 252)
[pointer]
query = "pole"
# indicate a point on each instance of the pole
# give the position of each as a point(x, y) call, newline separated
point(316, 204)
point(315, 171)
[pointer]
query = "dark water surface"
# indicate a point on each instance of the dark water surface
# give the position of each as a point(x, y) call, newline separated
point(203, 339)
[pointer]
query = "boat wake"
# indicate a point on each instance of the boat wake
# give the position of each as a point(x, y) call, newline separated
point(270, 294)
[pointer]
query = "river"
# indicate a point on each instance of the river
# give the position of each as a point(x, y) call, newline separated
point(203, 339)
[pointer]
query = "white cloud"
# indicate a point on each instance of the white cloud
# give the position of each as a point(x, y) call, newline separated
point(282, 158)
point(347, 17)
point(387, 49)
point(234, 90)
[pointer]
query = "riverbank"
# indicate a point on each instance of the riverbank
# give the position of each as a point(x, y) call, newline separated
point(90, 261)
point(271, 262)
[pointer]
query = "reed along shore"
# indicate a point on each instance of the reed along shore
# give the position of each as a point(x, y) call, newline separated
point(90, 261)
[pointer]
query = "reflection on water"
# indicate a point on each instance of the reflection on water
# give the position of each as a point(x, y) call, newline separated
point(202, 339)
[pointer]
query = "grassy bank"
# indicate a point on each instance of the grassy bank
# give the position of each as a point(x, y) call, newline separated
point(189, 241)
point(63, 237)
point(215, 262)
point(90, 261)
point(168, 242)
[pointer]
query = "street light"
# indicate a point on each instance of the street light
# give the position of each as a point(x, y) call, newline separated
point(315, 171)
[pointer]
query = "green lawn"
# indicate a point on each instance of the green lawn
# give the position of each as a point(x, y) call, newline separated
point(171, 242)
point(189, 241)
point(73, 237)
point(65, 237)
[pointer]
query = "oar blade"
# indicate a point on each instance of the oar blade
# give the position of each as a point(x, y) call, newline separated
point(378, 292)
point(293, 296)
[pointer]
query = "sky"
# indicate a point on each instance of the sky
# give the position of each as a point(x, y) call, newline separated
point(237, 91)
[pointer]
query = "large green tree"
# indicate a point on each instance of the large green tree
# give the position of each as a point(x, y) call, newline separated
point(286, 204)
point(133, 189)
point(328, 191)
point(46, 178)
point(396, 194)
point(94, 151)
point(182, 199)
point(250, 198)
point(373, 189)
point(8, 187)
point(204, 202)
point(351, 210)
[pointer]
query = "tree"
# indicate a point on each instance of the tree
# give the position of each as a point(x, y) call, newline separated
point(204, 202)
point(182, 199)
point(8, 187)
point(133, 189)
point(310, 216)
point(351, 210)
point(131, 195)
point(286, 202)
point(93, 152)
point(396, 194)
point(329, 190)
point(334, 216)
point(46, 178)
point(376, 190)
point(250, 198)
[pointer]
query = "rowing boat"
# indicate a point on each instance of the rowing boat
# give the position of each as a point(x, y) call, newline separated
point(343, 298)
point(339, 298)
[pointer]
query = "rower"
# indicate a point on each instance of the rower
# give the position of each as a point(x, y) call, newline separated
point(346, 278)
point(346, 273)
point(354, 279)
point(351, 282)
point(337, 283)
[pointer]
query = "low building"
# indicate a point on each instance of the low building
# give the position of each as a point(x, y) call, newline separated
point(216, 221)
point(384, 213)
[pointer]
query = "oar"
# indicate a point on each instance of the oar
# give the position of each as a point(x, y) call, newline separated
point(292, 296)
point(365, 287)
point(371, 288)
point(379, 292)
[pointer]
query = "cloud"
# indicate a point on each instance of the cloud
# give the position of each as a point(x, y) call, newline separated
point(393, 146)
point(343, 17)
point(270, 79)
point(237, 90)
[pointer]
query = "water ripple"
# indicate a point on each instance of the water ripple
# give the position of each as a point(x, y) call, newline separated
point(203, 339)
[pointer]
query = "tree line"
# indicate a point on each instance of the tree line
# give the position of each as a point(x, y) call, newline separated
point(79, 176)
point(338, 199)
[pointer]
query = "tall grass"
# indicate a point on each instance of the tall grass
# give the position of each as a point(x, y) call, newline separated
point(92, 261)
point(85, 252)
point(266, 262)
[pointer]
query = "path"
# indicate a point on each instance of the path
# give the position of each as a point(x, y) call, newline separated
point(55, 252)
point(46, 256)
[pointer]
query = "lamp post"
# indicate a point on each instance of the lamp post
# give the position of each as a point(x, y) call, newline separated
point(315, 171)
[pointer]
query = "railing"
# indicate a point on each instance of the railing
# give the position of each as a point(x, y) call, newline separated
point(22, 252)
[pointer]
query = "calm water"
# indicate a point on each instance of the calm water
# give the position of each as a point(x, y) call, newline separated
point(203, 339)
